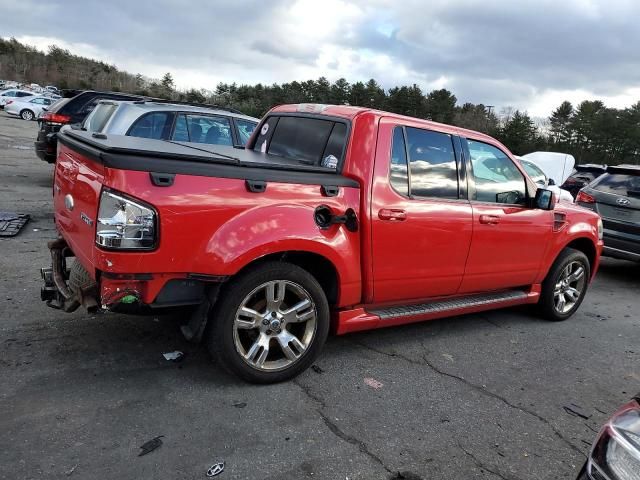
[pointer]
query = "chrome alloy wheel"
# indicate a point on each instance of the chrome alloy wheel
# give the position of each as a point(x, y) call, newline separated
point(569, 287)
point(274, 325)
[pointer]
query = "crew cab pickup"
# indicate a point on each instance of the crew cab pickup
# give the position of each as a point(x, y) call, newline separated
point(332, 219)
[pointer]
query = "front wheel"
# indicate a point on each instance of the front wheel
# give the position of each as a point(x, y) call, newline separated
point(270, 323)
point(26, 115)
point(565, 286)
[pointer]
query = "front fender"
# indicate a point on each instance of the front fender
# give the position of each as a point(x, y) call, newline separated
point(265, 230)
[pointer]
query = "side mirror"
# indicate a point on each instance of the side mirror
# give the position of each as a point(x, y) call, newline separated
point(544, 200)
point(552, 182)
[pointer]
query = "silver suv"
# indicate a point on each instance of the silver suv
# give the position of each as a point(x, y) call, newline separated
point(180, 122)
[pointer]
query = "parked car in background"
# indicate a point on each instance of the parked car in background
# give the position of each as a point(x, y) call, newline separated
point(12, 94)
point(2, 84)
point(537, 175)
point(615, 454)
point(28, 108)
point(582, 176)
point(331, 217)
point(51, 88)
point(556, 166)
point(615, 195)
point(73, 108)
point(179, 122)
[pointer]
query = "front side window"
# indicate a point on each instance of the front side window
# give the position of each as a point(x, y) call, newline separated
point(432, 162)
point(399, 175)
point(245, 129)
point(209, 129)
point(152, 125)
point(497, 179)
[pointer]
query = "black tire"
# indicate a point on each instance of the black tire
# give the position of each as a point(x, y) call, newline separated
point(547, 304)
point(221, 339)
point(27, 114)
point(79, 278)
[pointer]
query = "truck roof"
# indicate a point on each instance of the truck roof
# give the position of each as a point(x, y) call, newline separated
point(349, 112)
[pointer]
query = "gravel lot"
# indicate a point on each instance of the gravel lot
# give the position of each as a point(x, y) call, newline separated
point(479, 396)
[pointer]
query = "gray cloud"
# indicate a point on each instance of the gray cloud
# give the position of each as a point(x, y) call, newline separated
point(498, 51)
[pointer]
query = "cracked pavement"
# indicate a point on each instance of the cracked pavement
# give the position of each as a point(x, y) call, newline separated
point(474, 397)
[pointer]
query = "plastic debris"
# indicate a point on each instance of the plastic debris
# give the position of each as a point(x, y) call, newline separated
point(215, 469)
point(240, 404)
point(128, 299)
point(373, 383)
point(317, 369)
point(69, 472)
point(150, 446)
point(574, 410)
point(176, 356)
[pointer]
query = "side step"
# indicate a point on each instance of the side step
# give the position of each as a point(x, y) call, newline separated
point(443, 306)
point(362, 318)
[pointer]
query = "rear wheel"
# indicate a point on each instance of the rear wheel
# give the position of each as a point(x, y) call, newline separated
point(26, 114)
point(566, 285)
point(270, 323)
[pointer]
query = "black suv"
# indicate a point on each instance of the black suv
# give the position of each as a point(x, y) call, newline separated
point(582, 176)
point(616, 197)
point(68, 111)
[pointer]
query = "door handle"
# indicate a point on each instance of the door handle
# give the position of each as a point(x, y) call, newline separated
point(393, 214)
point(489, 219)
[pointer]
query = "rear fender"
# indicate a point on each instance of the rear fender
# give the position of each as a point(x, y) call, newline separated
point(262, 231)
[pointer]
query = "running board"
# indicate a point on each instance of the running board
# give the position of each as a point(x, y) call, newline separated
point(446, 305)
point(362, 318)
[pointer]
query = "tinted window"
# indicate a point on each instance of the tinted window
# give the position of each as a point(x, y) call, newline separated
point(245, 129)
point(619, 184)
point(180, 133)
point(152, 125)
point(497, 179)
point(23, 94)
point(399, 175)
point(303, 139)
point(433, 164)
point(335, 144)
point(209, 129)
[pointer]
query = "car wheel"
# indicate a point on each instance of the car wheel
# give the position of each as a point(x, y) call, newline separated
point(26, 115)
point(270, 323)
point(565, 286)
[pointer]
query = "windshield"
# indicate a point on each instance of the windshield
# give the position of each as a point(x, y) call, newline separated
point(619, 184)
point(534, 172)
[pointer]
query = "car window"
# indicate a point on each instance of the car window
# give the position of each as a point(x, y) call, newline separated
point(209, 129)
point(399, 174)
point(618, 184)
point(311, 141)
point(100, 116)
point(245, 129)
point(152, 125)
point(23, 94)
point(497, 179)
point(534, 172)
point(432, 161)
point(180, 132)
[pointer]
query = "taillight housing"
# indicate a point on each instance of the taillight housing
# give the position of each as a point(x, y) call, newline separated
point(55, 118)
point(125, 224)
point(585, 197)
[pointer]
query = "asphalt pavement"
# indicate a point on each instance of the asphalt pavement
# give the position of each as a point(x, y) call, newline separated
point(498, 395)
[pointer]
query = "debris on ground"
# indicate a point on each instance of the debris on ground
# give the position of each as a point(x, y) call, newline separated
point(240, 404)
point(150, 446)
point(448, 356)
point(11, 223)
point(69, 472)
point(215, 469)
point(176, 356)
point(575, 411)
point(373, 383)
point(317, 369)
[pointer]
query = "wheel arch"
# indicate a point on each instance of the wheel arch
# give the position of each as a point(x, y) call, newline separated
point(27, 110)
point(586, 246)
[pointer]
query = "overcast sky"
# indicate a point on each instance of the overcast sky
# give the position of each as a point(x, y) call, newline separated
point(530, 55)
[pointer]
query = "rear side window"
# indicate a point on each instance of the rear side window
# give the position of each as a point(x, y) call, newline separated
point(154, 125)
point(209, 129)
point(23, 94)
point(432, 161)
point(100, 116)
point(399, 175)
point(619, 184)
point(312, 141)
point(245, 129)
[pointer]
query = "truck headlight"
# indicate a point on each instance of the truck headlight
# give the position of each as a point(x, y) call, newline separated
point(616, 452)
point(125, 224)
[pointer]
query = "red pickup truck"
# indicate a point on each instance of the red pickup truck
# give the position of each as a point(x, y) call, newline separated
point(333, 218)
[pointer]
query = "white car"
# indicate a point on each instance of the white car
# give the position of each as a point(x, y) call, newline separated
point(539, 175)
point(28, 108)
point(12, 94)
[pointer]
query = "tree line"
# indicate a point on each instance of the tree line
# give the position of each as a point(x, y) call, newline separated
point(590, 131)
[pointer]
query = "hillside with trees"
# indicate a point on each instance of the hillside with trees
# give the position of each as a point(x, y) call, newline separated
point(590, 131)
